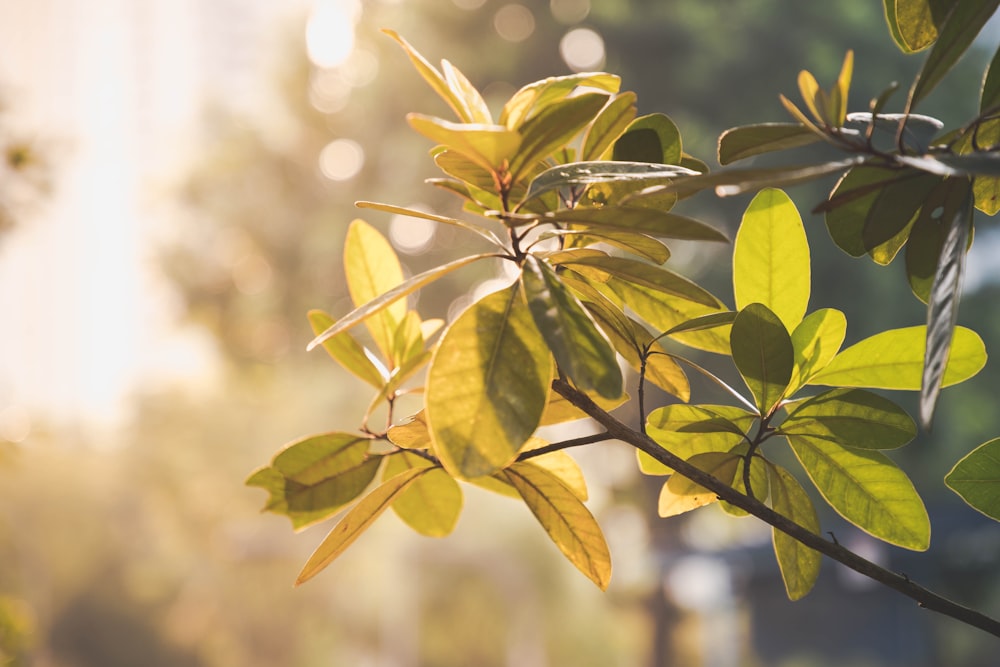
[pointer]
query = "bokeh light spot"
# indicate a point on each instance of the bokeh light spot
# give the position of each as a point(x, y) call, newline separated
point(569, 11)
point(582, 49)
point(341, 159)
point(412, 235)
point(330, 31)
point(514, 23)
point(252, 274)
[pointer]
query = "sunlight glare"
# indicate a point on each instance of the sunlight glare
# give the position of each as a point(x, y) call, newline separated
point(582, 49)
point(330, 31)
point(412, 235)
point(341, 159)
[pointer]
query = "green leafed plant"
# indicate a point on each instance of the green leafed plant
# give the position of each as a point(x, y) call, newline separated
point(576, 193)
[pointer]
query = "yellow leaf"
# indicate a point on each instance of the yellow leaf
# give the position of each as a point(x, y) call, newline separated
point(681, 495)
point(372, 269)
point(431, 505)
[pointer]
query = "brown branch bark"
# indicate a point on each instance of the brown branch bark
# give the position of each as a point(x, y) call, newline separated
point(896, 582)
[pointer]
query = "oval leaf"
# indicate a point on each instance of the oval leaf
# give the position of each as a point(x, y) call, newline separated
point(687, 430)
point(976, 478)
point(798, 563)
point(852, 418)
point(373, 269)
point(749, 140)
point(681, 495)
point(432, 503)
point(816, 341)
point(763, 354)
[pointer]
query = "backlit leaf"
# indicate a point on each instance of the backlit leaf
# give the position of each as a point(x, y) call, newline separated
point(915, 24)
point(559, 410)
point(852, 418)
point(681, 495)
point(762, 351)
point(356, 521)
point(664, 312)
point(771, 258)
point(638, 219)
point(647, 275)
point(432, 503)
point(653, 138)
point(739, 143)
point(759, 483)
point(412, 433)
point(473, 106)
point(866, 488)
point(432, 76)
point(894, 359)
point(413, 213)
point(372, 269)
point(687, 430)
point(634, 242)
point(348, 352)
point(608, 125)
point(976, 478)
point(487, 385)
point(552, 89)
point(798, 563)
point(486, 145)
point(562, 466)
point(551, 128)
point(588, 173)
point(567, 520)
point(816, 341)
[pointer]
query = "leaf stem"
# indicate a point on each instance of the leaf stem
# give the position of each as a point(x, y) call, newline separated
point(564, 444)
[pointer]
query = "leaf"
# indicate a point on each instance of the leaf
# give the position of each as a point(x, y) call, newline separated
point(562, 466)
point(681, 495)
point(559, 410)
point(763, 354)
point(541, 93)
point(350, 354)
point(587, 173)
point(687, 430)
point(942, 308)
point(608, 125)
point(636, 243)
point(356, 521)
point(816, 341)
point(579, 348)
point(771, 258)
point(486, 145)
point(893, 210)
point(703, 322)
point(851, 200)
point(413, 213)
point(958, 32)
point(729, 182)
point(473, 106)
point(798, 563)
point(866, 488)
point(839, 94)
point(637, 219)
point(412, 433)
point(653, 138)
point(551, 128)
point(852, 418)
point(915, 24)
point(487, 385)
point(567, 520)
point(976, 478)
point(647, 275)
point(746, 141)
point(372, 269)
point(432, 503)
point(385, 300)
point(923, 249)
point(432, 76)
point(894, 359)
point(759, 484)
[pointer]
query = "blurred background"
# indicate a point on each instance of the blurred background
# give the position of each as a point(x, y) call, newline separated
point(176, 182)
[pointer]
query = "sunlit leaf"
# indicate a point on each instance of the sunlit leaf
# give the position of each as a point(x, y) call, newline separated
point(915, 24)
point(687, 430)
point(413, 213)
point(638, 219)
point(852, 418)
point(578, 347)
point(894, 359)
point(486, 145)
point(762, 351)
point(653, 138)
point(647, 275)
point(729, 182)
point(703, 322)
point(771, 258)
point(384, 301)
point(798, 563)
point(866, 488)
point(552, 127)
point(608, 125)
point(487, 385)
point(559, 410)
point(356, 521)
point(552, 89)
point(564, 468)
point(839, 94)
point(474, 109)
point(432, 76)
point(432, 503)
point(348, 352)
point(373, 269)
point(588, 173)
point(411, 433)
point(976, 478)
point(759, 483)
point(567, 520)
point(681, 495)
point(635, 242)
point(739, 143)
point(816, 340)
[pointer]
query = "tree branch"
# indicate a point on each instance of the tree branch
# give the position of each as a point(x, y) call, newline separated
point(899, 583)
point(565, 444)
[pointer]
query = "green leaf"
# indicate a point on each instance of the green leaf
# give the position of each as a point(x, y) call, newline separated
point(579, 348)
point(413, 213)
point(608, 125)
point(868, 489)
point(852, 199)
point(432, 503)
point(553, 127)
point(567, 520)
point(958, 32)
point(923, 249)
point(746, 141)
point(711, 321)
point(816, 341)
point(915, 24)
point(382, 302)
point(798, 563)
point(852, 418)
point(681, 495)
point(893, 210)
point(976, 478)
point(759, 484)
point(373, 269)
point(356, 521)
point(487, 385)
point(763, 354)
point(646, 275)
point(637, 219)
point(588, 173)
point(486, 145)
point(729, 182)
point(653, 138)
point(687, 430)
point(894, 359)
point(636, 243)
point(771, 258)
point(346, 351)
point(547, 91)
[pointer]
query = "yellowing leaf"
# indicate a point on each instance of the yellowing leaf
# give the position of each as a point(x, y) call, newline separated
point(664, 312)
point(567, 520)
point(558, 410)
point(868, 489)
point(431, 505)
point(412, 433)
point(687, 430)
point(771, 258)
point(798, 563)
point(562, 466)
point(816, 342)
point(486, 145)
point(356, 521)
point(373, 269)
point(487, 385)
point(681, 495)
point(894, 359)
